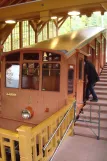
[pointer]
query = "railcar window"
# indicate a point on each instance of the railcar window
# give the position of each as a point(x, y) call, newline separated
point(30, 76)
point(13, 57)
point(48, 56)
point(80, 68)
point(70, 79)
point(12, 75)
point(31, 56)
point(51, 77)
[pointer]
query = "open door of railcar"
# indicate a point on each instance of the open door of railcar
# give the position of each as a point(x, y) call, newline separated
point(80, 80)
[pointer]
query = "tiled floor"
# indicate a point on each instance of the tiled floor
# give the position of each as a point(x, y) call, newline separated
point(78, 148)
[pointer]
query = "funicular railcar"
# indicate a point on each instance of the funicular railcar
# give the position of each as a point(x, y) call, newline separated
point(36, 81)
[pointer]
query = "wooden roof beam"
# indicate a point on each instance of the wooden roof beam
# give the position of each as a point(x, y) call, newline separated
point(5, 32)
point(104, 5)
point(62, 21)
point(34, 8)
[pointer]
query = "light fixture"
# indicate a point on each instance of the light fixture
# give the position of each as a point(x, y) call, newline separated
point(10, 21)
point(97, 12)
point(74, 13)
point(45, 56)
point(27, 113)
point(53, 17)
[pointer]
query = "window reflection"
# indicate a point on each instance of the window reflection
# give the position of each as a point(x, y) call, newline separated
point(47, 56)
point(80, 68)
point(70, 79)
point(51, 77)
point(12, 75)
point(30, 76)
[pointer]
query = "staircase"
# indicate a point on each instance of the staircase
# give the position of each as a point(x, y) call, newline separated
point(83, 126)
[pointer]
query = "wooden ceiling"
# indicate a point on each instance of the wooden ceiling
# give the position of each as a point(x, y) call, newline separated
point(41, 10)
point(5, 3)
point(30, 9)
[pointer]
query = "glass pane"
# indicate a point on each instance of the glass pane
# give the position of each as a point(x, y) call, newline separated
point(12, 75)
point(70, 79)
point(31, 56)
point(13, 57)
point(15, 37)
point(7, 44)
point(25, 33)
point(51, 77)
point(80, 69)
point(32, 36)
point(30, 76)
point(48, 56)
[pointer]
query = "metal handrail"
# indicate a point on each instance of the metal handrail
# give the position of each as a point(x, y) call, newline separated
point(61, 140)
point(90, 120)
point(46, 145)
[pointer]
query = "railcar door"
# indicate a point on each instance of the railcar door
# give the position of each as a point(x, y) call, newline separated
point(80, 79)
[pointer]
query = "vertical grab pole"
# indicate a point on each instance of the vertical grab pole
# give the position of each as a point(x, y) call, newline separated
point(74, 111)
point(98, 137)
point(90, 112)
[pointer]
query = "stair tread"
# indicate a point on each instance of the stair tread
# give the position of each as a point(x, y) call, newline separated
point(102, 96)
point(101, 91)
point(101, 83)
point(88, 124)
point(102, 87)
point(89, 133)
point(103, 123)
point(95, 108)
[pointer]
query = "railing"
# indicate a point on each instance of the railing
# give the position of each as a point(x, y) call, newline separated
point(28, 143)
point(8, 145)
point(91, 121)
point(47, 135)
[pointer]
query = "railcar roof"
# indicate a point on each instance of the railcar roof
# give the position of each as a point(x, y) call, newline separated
point(68, 43)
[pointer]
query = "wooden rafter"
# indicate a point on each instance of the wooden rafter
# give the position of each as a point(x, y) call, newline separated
point(5, 32)
point(60, 22)
point(38, 26)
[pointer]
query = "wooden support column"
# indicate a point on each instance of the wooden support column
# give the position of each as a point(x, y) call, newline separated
point(25, 146)
point(1, 50)
point(21, 34)
point(36, 33)
point(48, 30)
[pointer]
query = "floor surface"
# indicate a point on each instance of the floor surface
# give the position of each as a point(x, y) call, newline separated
point(79, 148)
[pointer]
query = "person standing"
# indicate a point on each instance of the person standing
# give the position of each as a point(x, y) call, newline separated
point(92, 77)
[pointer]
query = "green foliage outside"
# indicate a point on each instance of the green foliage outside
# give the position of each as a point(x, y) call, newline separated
point(70, 24)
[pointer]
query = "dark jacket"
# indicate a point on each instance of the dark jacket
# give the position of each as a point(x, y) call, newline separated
point(90, 71)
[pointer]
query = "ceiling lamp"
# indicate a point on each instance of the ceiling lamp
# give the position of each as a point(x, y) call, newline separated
point(97, 12)
point(10, 21)
point(74, 13)
point(53, 17)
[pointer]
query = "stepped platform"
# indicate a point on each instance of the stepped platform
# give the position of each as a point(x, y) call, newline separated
point(92, 149)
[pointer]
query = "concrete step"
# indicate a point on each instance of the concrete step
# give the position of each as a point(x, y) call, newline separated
point(101, 83)
point(104, 72)
point(103, 79)
point(101, 92)
point(87, 132)
point(94, 118)
point(95, 108)
point(102, 97)
point(100, 87)
point(105, 68)
point(94, 115)
point(89, 125)
point(103, 76)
